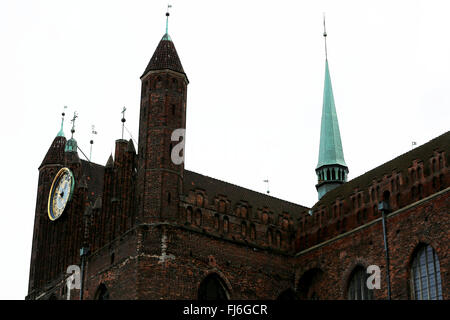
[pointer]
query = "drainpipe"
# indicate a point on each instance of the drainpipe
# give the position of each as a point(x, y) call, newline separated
point(384, 207)
point(84, 251)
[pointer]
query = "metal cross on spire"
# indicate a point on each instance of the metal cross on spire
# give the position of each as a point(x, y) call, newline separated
point(325, 36)
point(75, 116)
point(123, 120)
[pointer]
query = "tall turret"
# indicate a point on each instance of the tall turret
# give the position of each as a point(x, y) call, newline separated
point(161, 128)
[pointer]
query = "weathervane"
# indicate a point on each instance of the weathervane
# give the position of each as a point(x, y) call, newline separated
point(92, 141)
point(167, 18)
point(325, 36)
point(123, 119)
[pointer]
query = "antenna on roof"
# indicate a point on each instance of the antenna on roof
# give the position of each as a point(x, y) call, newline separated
point(92, 141)
point(123, 120)
point(267, 181)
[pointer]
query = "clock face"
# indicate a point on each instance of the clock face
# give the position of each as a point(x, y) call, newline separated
point(60, 193)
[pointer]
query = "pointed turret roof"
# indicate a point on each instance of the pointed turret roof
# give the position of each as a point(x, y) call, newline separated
point(330, 151)
point(55, 154)
point(110, 162)
point(165, 57)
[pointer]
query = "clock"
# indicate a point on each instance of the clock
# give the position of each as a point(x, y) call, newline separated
point(60, 193)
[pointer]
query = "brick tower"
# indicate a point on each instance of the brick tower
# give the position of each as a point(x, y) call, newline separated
point(56, 243)
point(162, 111)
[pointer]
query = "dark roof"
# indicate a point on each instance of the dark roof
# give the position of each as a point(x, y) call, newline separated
point(94, 178)
point(234, 193)
point(165, 57)
point(55, 153)
point(401, 163)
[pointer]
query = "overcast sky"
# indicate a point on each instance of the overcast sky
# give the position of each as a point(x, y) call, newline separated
point(256, 72)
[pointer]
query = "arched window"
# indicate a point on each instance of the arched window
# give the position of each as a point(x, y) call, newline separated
point(269, 237)
point(199, 200)
point(426, 275)
point(189, 215)
point(278, 239)
point(357, 286)
point(198, 217)
point(226, 225)
point(308, 285)
point(244, 229)
point(212, 288)
point(101, 293)
point(216, 221)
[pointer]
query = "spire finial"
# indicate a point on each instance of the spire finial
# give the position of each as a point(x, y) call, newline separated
point(75, 116)
point(123, 119)
point(167, 18)
point(61, 131)
point(92, 141)
point(325, 36)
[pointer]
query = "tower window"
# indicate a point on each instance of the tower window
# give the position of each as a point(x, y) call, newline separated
point(173, 109)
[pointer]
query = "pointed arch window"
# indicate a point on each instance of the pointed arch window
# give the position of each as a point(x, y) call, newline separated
point(102, 293)
point(357, 287)
point(213, 288)
point(426, 275)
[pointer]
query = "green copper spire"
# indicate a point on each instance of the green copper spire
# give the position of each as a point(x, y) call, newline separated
point(166, 35)
point(331, 169)
point(61, 131)
point(330, 151)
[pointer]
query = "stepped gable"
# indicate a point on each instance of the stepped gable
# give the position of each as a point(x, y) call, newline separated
point(235, 194)
point(399, 164)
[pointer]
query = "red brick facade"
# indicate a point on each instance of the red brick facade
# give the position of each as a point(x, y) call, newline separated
point(156, 231)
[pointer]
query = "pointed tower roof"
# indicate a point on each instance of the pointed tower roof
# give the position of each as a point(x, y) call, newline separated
point(165, 55)
point(330, 151)
point(110, 162)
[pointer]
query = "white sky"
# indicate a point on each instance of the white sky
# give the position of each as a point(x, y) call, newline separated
point(256, 71)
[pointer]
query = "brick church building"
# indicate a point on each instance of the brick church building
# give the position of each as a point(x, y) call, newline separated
point(143, 227)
